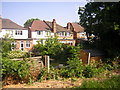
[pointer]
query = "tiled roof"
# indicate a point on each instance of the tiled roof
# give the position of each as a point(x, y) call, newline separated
point(8, 24)
point(58, 27)
point(77, 27)
point(39, 25)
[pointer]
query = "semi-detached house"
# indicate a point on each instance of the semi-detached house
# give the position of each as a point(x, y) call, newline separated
point(18, 33)
point(26, 38)
point(41, 30)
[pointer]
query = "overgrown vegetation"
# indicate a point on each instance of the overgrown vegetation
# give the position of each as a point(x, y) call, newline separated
point(17, 54)
point(102, 20)
point(56, 50)
point(6, 45)
point(15, 69)
point(113, 82)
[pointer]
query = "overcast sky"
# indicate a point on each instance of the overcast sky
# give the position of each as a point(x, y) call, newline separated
point(63, 12)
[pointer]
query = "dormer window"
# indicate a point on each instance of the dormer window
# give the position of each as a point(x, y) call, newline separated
point(39, 32)
point(18, 32)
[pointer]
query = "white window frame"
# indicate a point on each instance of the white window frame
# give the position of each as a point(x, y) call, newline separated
point(62, 33)
point(13, 47)
point(27, 44)
point(67, 34)
point(18, 32)
point(39, 32)
point(22, 44)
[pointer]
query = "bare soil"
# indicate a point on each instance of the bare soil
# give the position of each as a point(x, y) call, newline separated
point(48, 84)
point(67, 83)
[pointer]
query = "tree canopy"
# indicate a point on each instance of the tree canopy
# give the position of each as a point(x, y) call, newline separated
point(103, 20)
point(29, 22)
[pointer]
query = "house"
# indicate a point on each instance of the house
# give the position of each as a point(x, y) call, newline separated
point(40, 30)
point(78, 31)
point(18, 33)
point(64, 35)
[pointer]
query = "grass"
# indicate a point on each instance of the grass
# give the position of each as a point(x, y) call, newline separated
point(113, 82)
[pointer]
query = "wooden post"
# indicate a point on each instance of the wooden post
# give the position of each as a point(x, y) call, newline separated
point(47, 63)
point(88, 58)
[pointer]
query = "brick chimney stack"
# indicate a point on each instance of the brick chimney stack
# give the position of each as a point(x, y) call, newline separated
point(68, 26)
point(54, 25)
point(0, 24)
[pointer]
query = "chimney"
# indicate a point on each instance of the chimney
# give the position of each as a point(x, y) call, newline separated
point(54, 25)
point(68, 26)
point(0, 24)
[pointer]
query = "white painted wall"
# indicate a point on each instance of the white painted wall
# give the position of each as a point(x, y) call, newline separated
point(37, 37)
point(11, 33)
point(44, 35)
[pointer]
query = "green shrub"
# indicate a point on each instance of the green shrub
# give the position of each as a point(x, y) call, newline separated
point(44, 75)
point(14, 68)
point(89, 71)
point(17, 54)
point(56, 50)
point(113, 82)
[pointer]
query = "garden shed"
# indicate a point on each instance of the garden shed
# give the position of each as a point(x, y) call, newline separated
point(90, 55)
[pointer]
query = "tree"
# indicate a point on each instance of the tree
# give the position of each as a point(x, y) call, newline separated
point(29, 22)
point(56, 50)
point(6, 45)
point(103, 20)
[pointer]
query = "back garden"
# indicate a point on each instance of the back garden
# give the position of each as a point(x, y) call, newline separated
point(73, 74)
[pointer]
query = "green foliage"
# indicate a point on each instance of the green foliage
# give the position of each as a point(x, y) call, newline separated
point(102, 20)
point(109, 83)
point(29, 22)
point(6, 45)
point(14, 68)
point(90, 71)
point(16, 54)
point(55, 49)
point(44, 75)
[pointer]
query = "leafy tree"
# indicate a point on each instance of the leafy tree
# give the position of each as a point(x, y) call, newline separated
point(56, 50)
point(29, 22)
point(6, 45)
point(103, 20)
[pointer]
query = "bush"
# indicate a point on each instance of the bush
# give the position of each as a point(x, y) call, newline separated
point(113, 82)
point(44, 75)
point(14, 68)
point(17, 54)
point(89, 71)
point(56, 50)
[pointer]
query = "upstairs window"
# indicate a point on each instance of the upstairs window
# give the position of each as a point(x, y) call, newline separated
point(18, 32)
point(62, 33)
point(68, 34)
point(27, 44)
point(39, 32)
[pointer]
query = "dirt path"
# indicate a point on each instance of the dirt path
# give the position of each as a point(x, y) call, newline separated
point(48, 84)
